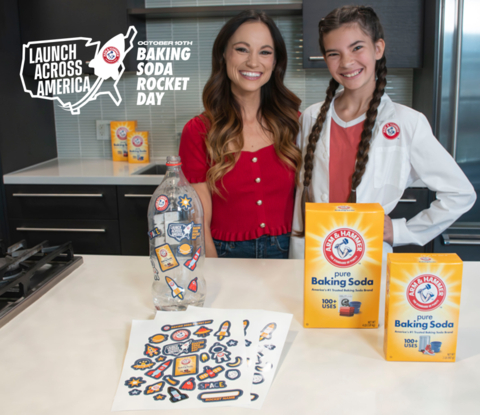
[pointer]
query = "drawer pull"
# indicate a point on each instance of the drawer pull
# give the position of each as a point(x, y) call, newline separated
point(407, 201)
point(316, 58)
point(458, 239)
point(61, 230)
point(137, 196)
point(57, 195)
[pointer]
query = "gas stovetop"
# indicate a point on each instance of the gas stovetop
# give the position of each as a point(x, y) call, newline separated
point(28, 273)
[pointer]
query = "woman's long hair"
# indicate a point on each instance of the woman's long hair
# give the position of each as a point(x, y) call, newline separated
point(368, 21)
point(278, 112)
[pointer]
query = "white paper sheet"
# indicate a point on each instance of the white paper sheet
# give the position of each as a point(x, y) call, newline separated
point(229, 391)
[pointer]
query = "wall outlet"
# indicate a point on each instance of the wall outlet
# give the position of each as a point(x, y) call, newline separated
point(103, 129)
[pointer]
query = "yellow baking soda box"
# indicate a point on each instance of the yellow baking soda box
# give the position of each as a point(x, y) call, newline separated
point(137, 143)
point(118, 134)
point(422, 307)
point(343, 264)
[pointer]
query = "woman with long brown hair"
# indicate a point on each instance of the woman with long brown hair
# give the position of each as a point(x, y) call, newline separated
point(240, 154)
point(360, 147)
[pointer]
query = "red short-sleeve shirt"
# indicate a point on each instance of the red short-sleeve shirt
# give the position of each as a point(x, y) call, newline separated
point(258, 192)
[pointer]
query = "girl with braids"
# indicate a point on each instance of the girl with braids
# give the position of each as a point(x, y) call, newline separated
point(240, 154)
point(360, 147)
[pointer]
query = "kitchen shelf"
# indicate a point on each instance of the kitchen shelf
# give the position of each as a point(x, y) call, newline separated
point(287, 9)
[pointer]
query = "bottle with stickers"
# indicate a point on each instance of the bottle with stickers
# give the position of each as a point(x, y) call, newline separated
point(177, 243)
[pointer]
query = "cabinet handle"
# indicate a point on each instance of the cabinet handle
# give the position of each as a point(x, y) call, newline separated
point(407, 201)
point(57, 195)
point(135, 196)
point(61, 230)
point(316, 58)
point(457, 239)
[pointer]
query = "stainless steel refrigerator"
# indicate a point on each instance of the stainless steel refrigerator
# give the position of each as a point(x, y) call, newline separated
point(457, 111)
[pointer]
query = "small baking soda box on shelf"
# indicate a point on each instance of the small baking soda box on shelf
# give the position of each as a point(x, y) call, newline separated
point(343, 264)
point(118, 134)
point(422, 307)
point(138, 147)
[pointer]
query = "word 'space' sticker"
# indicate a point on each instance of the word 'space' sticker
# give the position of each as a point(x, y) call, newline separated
point(212, 385)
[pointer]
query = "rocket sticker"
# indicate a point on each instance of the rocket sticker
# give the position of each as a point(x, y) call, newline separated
point(158, 372)
point(151, 351)
point(156, 387)
point(191, 264)
point(267, 331)
point(176, 290)
point(193, 286)
point(224, 331)
point(175, 395)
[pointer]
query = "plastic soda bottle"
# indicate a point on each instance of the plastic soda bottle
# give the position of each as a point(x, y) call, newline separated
point(177, 243)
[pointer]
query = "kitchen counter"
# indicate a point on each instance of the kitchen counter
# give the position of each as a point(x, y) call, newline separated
point(85, 171)
point(92, 171)
point(64, 354)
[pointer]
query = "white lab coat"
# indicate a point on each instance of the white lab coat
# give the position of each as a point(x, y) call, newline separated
point(393, 165)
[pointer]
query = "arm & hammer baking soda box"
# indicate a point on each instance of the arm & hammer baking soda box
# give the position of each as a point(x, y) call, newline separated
point(343, 264)
point(138, 147)
point(118, 133)
point(422, 307)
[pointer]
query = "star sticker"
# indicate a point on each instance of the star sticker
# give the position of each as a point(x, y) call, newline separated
point(134, 392)
point(134, 382)
point(247, 343)
point(185, 202)
point(232, 343)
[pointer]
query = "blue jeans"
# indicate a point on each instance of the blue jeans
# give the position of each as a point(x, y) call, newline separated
point(275, 247)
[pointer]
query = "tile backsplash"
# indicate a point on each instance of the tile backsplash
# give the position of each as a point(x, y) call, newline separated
point(76, 134)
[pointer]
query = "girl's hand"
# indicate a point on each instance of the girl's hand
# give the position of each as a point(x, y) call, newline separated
point(388, 230)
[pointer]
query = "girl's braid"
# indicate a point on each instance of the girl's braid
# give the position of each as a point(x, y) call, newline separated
point(312, 144)
point(371, 116)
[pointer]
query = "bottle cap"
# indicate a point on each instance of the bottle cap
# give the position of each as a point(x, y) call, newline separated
point(173, 161)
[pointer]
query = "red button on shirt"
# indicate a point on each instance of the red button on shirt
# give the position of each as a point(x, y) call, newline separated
point(258, 192)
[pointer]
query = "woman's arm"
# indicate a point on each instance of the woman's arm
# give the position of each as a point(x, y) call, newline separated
point(206, 199)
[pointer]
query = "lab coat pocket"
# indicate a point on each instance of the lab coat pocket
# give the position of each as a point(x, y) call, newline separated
point(392, 166)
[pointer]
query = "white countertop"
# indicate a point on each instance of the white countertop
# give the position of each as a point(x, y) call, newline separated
point(64, 354)
point(92, 171)
point(85, 171)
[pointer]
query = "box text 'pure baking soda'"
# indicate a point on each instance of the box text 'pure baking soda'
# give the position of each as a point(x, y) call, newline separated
point(343, 264)
point(422, 307)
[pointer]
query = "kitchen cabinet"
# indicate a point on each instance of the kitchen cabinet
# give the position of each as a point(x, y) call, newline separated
point(132, 210)
point(85, 215)
point(402, 22)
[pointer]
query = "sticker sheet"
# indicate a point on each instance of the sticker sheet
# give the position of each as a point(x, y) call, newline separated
point(191, 359)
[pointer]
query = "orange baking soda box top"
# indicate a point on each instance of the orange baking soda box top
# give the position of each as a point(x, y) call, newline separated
point(343, 264)
point(137, 143)
point(118, 134)
point(422, 307)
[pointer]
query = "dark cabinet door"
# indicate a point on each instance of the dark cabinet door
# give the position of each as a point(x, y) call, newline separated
point(97, 237)
point(61, 202)
point(402, 22)
point(460, 239)
point(132, 208)
point(413, 201)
